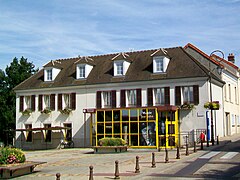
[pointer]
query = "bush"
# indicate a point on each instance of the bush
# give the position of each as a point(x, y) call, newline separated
point(112, 142)
point(11, 155)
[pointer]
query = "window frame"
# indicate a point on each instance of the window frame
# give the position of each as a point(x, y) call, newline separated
point(161, 98)
point(49, 73)
point(82, 71)
point(190, 94)
point(120, 68)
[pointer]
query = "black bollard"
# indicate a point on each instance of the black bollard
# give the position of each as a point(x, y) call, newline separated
point(217, 140)
point(116, 171)
point(201, 144)
point(153, 160)
point(91, 173)
point(194, 147)
point(58, 176)
point(137, 168)
point(166, 157)
point(207, 143)
point(178, 153)
point(187, 152)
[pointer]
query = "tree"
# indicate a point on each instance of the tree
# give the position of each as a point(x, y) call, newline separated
point(14, 74)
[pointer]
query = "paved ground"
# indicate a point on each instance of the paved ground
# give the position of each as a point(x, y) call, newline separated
point(74, 164)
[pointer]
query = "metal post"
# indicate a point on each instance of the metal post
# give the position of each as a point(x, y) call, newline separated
point(166, 157)
point(217, 140)
point(178, 153)
point(137, 168)
point(194, 147)
point(201, 144)
point(91, 173)
point(58, 176)
point(116, 170)
point(153, 160)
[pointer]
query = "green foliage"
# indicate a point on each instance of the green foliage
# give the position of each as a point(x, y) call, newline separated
point(212, 105)
point(17, 72)
point(112, 142)
point(11, 155)
point(27, 112)
point(46, 111)
point(66, 111)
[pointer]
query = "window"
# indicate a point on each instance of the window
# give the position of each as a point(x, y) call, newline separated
point(119, 68)
point(131, 97)
point(159, 96)
point(159, 64)
point(66, 101)
point(28, 133)
point(49, 75)
point(187, 94)
point(82, 72)
point(28, 102)
point(107, 99)
point(48, 133)
point(47, 101)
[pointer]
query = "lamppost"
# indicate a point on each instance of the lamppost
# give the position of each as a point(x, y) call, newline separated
point(210, 81)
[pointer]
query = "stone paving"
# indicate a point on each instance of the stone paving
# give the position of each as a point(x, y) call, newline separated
point(74, 163)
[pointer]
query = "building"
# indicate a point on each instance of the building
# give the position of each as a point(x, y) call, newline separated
point(150, 98)
point(230, 75)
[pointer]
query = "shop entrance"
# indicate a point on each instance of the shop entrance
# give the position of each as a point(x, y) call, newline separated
point(141, 127)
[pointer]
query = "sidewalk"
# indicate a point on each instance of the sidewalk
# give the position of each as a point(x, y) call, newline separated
point(74, 163)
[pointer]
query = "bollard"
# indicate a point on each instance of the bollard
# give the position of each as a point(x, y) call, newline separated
point(207, 143)
point(217, 140)
point(153, 160)
point(166, 157)
point(137, 169)
point(116, 171)
point(178, 153)
point(201, 144)
point(58, 176)
point(91, 173)
point(194, 147)
point(187, 152)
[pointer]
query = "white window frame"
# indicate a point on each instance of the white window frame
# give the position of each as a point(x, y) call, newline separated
point(82, 71)
point(159, 96)
point(47, 101)
point(131, 97)
point(66, 100)
point(28, 103)
point(106, 99)
point(120, 68)
point(187, 94)
point(49, 73)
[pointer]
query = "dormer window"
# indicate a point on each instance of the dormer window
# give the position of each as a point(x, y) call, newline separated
point(50, 73)
point(82, 71)
point(160, 64)
point(121, 63)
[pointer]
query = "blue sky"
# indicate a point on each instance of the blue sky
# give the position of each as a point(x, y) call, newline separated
point(44, 30)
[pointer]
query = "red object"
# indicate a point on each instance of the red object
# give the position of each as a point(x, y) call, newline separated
point(202, 136)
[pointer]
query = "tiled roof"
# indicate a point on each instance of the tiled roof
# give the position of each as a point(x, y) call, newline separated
point(181, 65)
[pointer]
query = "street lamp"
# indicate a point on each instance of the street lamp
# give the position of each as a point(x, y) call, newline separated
point(210, 80)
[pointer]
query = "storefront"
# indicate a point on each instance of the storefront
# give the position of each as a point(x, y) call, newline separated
point(149, 127)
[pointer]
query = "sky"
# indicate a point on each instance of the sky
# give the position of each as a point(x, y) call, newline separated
point(45, 30)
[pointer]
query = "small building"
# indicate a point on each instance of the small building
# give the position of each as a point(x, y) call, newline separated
point(150, 98)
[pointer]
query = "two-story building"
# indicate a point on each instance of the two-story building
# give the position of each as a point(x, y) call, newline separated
point(146, 97)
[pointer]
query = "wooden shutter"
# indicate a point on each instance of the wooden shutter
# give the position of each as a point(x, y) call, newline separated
point(73, 101)
point(59, 102)
point(21, 103)
point(52, 102)
point(150, 96)
point(33, 103)
point(113, 92)
point(99, 100)
point(167, 95)
point(196, 94)
point(139, 97)
point(40, 102)
point(123, 98)
point(178, 95)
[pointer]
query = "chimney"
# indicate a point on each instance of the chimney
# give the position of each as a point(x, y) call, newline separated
point(231, 58)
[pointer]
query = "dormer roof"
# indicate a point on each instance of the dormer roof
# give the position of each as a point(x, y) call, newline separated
point(85, 60)
point(122, 56)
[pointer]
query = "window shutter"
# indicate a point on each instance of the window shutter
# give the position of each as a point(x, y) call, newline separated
point(139, 97)
point(178, 95)
point(59, 102)
point(52, 102)
point(196, 94)
point(150, 96)
point(40, 102)
point(113, 98)
point(21, 104)
point(33, 102)
point(167, 95)
point(73, 101)
point(123, 98)
point(99, 100)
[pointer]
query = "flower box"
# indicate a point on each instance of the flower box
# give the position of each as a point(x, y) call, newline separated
point(27, 112)
point(66, 111)
point(187, 106)
point(46, 111)
point(212, 105)
point(109, 149)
